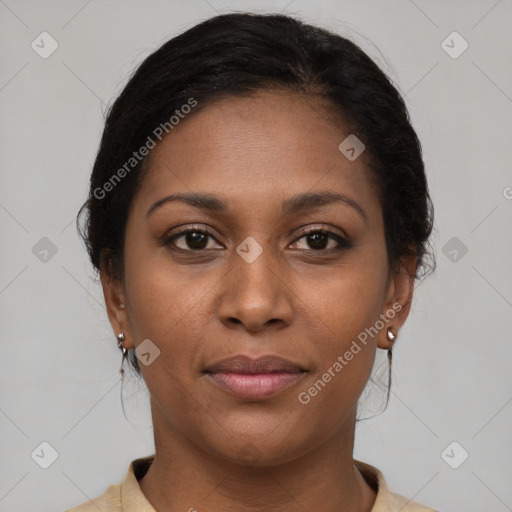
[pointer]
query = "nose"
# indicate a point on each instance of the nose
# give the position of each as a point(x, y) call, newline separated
point(255, 295)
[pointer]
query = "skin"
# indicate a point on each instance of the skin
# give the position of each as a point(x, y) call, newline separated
point(214, 451)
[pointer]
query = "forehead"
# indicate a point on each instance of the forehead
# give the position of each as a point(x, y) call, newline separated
point(256, 151)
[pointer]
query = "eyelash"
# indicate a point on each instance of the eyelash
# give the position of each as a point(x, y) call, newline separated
point(343, 243)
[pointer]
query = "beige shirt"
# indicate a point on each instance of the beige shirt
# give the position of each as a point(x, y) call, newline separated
point(128, 497)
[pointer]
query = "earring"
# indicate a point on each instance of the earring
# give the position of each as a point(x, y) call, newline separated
point(122, 306)
point(120, 344)
point(390, 336)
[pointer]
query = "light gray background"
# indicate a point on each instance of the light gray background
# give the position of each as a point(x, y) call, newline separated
point(59, 381)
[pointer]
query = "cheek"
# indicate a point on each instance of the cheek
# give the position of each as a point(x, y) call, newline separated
point(170, 308)
point(344, 357)
point(343, 313)
point(161, 295)
point(348, 301)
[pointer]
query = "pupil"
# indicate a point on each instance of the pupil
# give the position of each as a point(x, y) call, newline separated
point(318, 238)
point(195, 238)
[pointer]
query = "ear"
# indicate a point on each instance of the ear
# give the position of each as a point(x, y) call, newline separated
point(398, 301)
point(114, 294)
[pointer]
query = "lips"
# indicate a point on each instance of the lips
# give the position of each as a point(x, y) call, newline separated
point(254, 379)
point(264, 364)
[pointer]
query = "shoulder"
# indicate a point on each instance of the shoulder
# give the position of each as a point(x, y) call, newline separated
point(398, 502)
point(109, 501)
point(387, 501)
point(125, 496)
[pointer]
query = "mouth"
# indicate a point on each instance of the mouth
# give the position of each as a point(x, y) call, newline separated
point(255, 379)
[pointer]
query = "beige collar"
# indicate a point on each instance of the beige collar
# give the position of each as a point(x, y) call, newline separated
point(133, 500)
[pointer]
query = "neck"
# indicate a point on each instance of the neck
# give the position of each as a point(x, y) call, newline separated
point(185, 477)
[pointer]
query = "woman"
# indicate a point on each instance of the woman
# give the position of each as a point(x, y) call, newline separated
point(258, 214)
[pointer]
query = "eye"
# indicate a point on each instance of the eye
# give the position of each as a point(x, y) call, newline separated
point(201, 239)
point(318, 240)
point(190, 239)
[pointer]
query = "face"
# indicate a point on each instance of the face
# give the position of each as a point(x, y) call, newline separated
point(266, 265)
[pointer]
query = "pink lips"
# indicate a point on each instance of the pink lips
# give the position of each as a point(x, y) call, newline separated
point(255, 379)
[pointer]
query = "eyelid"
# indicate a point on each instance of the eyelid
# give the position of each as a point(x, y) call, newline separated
point(195, 227)
point(325, 229)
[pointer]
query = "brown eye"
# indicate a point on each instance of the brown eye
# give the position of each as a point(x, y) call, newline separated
point(190, 240)
point(195, 240)
point(319, 239)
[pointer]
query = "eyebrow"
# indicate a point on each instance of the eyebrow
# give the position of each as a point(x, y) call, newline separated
point(290, 206)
